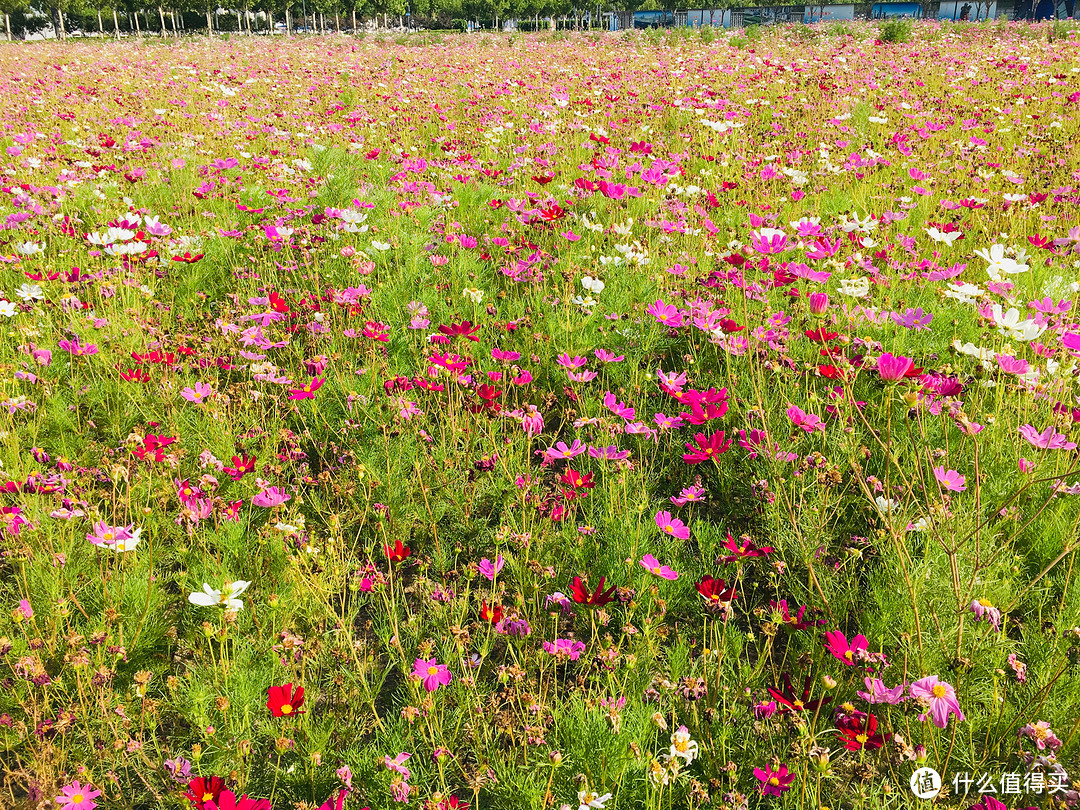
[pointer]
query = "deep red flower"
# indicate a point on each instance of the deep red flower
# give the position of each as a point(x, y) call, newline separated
point(572, 478)
point(715, 591)
point(789, 700)
point(135, 375)
point(398, 552)
point(188, 257)
point(229, 801)
point(203, 789)
point(283, 702)
point(491, 615)
point(860, 732)
point(597, 598)
point(821, 335)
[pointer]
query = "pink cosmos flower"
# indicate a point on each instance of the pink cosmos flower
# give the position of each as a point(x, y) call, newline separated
point(618, 408)
point(672, 526)
point(984, 610)
point(950, 479)
point(691, 494)
point(197, 394)
point(564, 648)
point(24, 609)
point(431, 673)
point(879, 693)
point(1049, 439)
point(561, 451)
point(76, 349)
point(1041, 733)
point(938, 697)
point(653, 566)
point(270, 497)
point(604, 356)
point(768, 240)
point(667, 314)
point(397, 764)
point(841, 649)
point(77, 797)
point(106, 535)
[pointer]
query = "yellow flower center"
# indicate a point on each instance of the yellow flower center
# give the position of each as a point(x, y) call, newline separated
point(107, 536)
point(77, 798)
point(656, 570)
point(669, 529)
point(286, 708)
point(206, 797)
point(986, 602)
point(681, 746)
point(799, 705)
point(432, 670)
point(939, 690)
point(861, 739)
point(849, 655)
point(774, 781)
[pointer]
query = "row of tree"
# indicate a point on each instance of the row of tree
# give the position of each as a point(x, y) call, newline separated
point(115, 18)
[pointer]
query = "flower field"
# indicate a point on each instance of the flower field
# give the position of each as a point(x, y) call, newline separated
point(581, 421)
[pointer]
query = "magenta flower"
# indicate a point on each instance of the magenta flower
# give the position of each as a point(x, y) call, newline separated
point(672, 526)
point(489, 569)
point(106, 535)
point(24, 609)
point(653, 566)
point(561, 451)
point(768, 240)
point(308, 391)
point(893, 368)
point(77, 797)
point(1049, 439)
point(879, 693)
point(807, 421)
point(938, 697)
point(774, 783)
point(431, 673)
point(270, 497)
point(667, 314)
point(841, 649)
point(950, 479)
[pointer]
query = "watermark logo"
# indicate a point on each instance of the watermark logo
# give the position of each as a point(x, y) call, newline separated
point(925, 783)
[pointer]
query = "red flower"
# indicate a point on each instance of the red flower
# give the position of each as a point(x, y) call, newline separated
point(860, 732)
point(188, 257)
point(597, 598)
point(572, 478)
point(821, 335)
point(135, 375)
point(283, 702)
point(706, 448)
point(453, 803)
point(398, 552)
point(715, 591)
point(790, 701)
point(203, 789)
point(491, 615)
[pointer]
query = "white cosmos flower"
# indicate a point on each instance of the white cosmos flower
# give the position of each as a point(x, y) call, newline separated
point(978, 352)
point(1000, 263)
point(1008, 324)
point(886, 506)
point(941, 236)
point(593, 285)
point(964, 293)
point(380, 245)
point(29, 248)
point(855, 287)
point(587, 800)
point(682, 746)
point(473, 294)
point(30, 292)
point(7, 309)
point(228, 596)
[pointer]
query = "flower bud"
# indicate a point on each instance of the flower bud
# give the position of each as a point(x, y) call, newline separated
point(819, 302)
point(555, 757)
point(921, 756)
point(829, 681)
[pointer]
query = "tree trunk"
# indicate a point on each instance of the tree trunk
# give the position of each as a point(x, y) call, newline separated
point(100, 27)
point(354, 20)
point(270, 21)
point(7, 25)
point(60, 17)
point(115, 23)
point(161, 15)
point(172, 16)
point(288, 22)
point(209, 23)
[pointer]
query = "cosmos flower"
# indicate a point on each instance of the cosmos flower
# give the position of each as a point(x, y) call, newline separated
point(283, 701)
point(653, 566)
point(938, 697)
point(774, 783)
point(228, 596)
point(431, 674)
